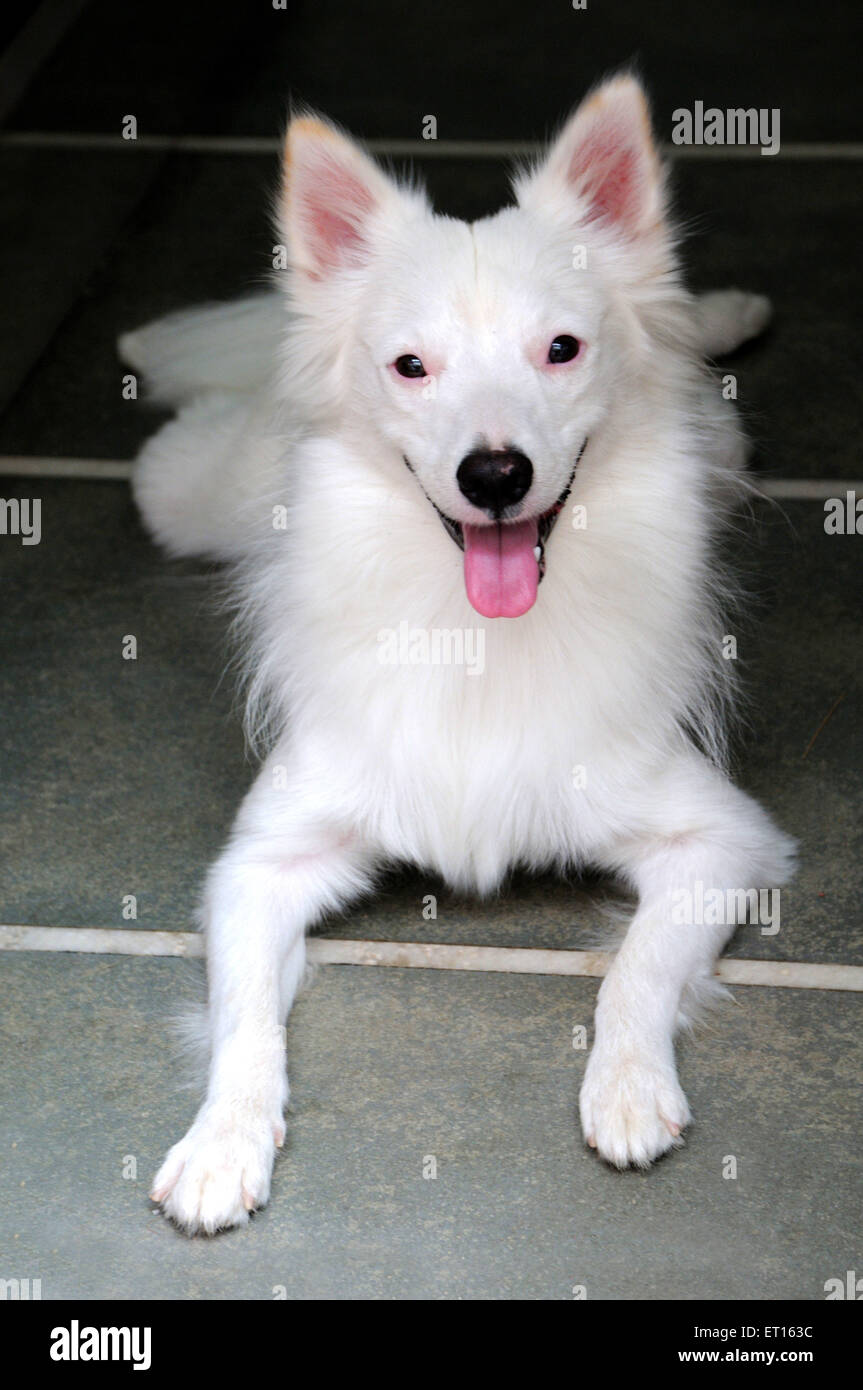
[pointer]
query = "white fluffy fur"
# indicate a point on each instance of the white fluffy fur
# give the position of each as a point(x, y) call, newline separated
point(288, 401)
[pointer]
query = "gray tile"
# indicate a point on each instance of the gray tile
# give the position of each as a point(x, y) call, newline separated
point(494, 68)
point(155, 60)
point(805, 655)
point(129, 773)
point(787, 229)
point(505, 71)
point(14, 17)
point(62, 211)
point(200, 231)
point(391, 1066)
point(106, 759)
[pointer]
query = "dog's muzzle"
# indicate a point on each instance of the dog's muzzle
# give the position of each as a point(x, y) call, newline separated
point(545, 523)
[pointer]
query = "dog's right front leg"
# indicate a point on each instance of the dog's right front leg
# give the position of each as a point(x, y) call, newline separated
point(286, 865)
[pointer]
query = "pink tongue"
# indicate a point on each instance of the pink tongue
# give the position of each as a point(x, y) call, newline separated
point(501, 572)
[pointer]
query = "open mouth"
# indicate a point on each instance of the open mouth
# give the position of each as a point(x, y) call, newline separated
point(504, 561)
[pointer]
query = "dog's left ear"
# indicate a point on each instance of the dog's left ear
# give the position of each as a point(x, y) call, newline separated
point(605, 161)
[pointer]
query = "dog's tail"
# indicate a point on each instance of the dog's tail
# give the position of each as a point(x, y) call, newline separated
point(230, 347)
point(726, 318)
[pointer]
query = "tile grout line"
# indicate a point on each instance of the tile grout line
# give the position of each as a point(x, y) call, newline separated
point(439, 149)
point(801, 489)
point(33, 466)
point(510, 960)
point(120, 470)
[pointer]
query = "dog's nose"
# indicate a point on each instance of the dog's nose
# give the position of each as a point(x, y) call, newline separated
point(495, 479)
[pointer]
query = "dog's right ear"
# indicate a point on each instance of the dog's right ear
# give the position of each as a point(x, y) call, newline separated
point(331, 197)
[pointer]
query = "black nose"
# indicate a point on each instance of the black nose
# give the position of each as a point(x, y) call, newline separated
point(495, 480)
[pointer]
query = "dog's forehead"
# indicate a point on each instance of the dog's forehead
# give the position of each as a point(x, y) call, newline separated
point(422, 271)
point(451, 271)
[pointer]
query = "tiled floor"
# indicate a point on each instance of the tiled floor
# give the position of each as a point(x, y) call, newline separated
point(122, 777)
point(391, 1068)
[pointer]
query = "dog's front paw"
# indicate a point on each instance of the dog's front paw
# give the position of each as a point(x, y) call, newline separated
point(220, 1171)
point(632, 1107)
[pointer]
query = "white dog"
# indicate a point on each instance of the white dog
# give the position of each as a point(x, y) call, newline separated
point(500, 435)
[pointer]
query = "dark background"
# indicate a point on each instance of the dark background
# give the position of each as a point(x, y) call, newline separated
point(502, 69)
point(123, 777)
point(98, 240)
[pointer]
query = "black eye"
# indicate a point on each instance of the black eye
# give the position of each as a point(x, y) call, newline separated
point(564, 348)
point(409, 365)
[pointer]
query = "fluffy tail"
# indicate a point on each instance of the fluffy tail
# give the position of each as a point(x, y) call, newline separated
point(229, 347)
point(197, 479)
point(727, 318)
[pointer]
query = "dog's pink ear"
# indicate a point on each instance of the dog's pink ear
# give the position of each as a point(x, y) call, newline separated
point(606, 158)
point(331, 193)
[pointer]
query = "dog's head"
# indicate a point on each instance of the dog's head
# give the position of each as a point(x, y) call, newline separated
point(485, 354)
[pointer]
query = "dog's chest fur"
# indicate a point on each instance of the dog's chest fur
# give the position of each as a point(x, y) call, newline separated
point(461, 743)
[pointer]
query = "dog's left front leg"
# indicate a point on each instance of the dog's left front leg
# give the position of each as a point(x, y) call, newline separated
point(697, 835)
